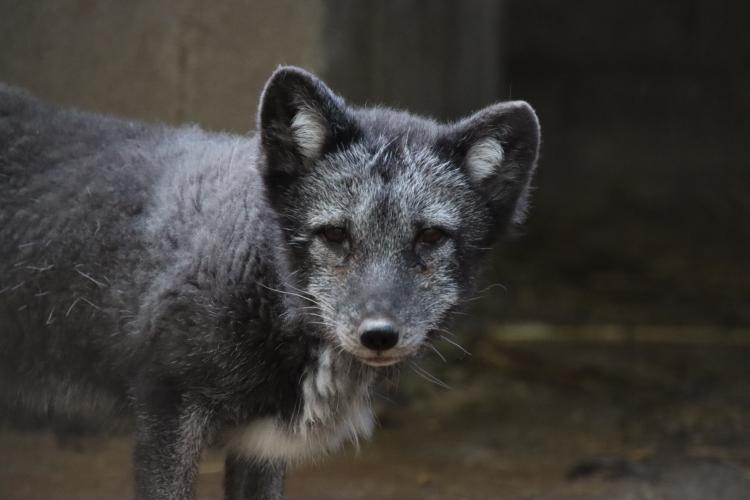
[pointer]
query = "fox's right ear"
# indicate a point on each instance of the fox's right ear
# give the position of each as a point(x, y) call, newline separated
point(299, 120)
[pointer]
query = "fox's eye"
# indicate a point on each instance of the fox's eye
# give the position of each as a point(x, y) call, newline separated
point(334, 234)
point(431, 236)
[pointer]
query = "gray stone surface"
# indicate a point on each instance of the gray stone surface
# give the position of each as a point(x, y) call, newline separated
point(231, 49)
point(206, 62)
point(109, 56)
point(157, 60)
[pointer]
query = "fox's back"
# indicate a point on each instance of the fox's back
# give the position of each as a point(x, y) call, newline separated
point(72, 189)
point(97, 215)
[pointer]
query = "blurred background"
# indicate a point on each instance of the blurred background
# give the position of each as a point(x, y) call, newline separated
point(610, 351)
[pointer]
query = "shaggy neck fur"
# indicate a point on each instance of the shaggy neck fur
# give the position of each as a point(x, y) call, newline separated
point(335, 407)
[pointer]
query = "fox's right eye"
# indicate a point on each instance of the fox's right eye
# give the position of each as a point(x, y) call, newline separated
point(333, 234)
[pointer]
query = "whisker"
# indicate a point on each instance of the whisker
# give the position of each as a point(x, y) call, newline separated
point(456, 345)
point(448, 332)
point(384, 397)
point(289, 293)
point(329, 325)
point(435, 349)
point(483, 292)
point(494, 285)
point(322, 318)
point(428, 376)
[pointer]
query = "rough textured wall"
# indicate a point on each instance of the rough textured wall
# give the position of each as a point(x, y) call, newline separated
point(157, 60)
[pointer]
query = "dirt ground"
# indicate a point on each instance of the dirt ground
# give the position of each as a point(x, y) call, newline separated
point(535, 413)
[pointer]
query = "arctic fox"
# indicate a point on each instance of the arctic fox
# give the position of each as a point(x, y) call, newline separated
point(239, 290)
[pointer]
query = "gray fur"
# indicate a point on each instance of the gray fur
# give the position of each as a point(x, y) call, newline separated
point(186, 277)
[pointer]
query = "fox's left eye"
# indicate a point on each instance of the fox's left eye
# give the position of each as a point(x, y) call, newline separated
point(431, 236)
point(334, 234)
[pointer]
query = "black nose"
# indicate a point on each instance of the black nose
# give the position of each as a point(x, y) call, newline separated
point(378, 335)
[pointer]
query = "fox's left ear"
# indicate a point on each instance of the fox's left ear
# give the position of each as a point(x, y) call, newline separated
point(498, 148)
point(299, 119)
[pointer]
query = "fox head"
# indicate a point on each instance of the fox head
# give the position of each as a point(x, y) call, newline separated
point(385, 214)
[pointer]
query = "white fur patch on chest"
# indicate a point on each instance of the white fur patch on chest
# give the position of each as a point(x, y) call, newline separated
point(335, 408)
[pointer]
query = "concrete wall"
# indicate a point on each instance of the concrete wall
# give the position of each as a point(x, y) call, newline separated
point(206, 62)
point(158, 60)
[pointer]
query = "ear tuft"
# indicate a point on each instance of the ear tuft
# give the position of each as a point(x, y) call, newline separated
point(309, 133)
point(483, 158)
